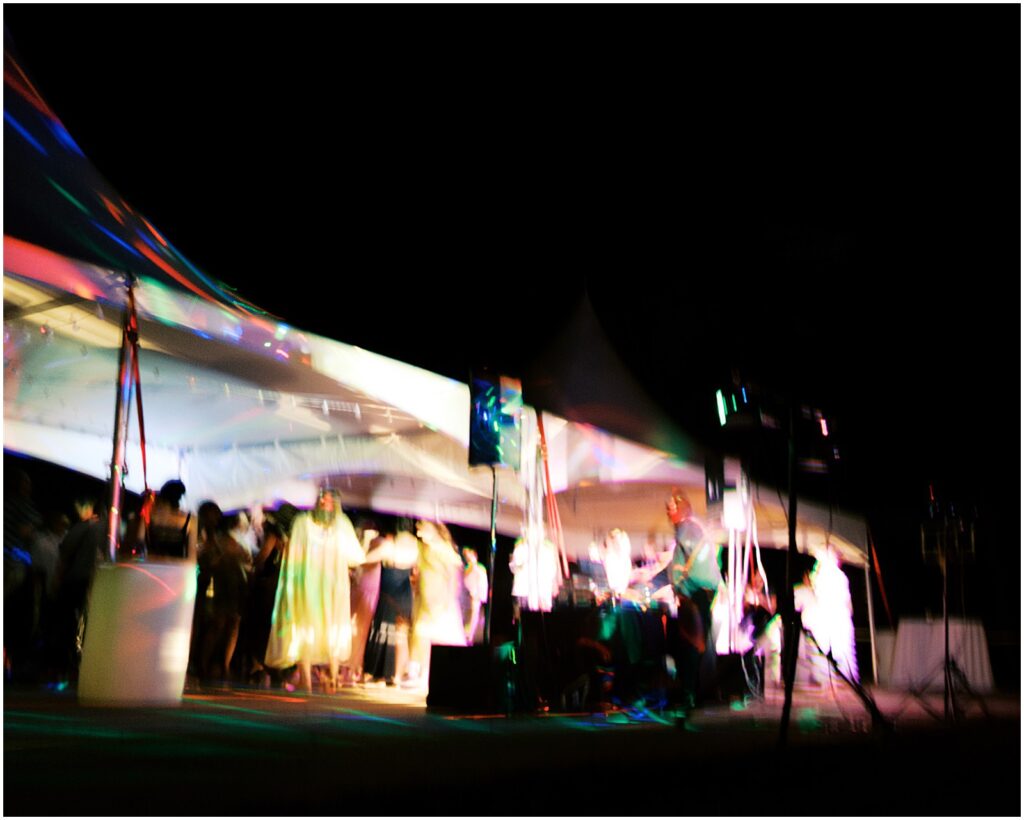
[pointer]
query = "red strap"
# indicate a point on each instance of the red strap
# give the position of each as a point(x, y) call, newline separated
point(133, 337)
point(878, 574)
point(553, 515)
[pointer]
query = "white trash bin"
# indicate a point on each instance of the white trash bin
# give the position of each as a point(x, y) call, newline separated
point(137, 634)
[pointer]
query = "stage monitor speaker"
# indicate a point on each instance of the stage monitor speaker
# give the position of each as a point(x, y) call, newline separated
point(468, 679)
point(495, 424)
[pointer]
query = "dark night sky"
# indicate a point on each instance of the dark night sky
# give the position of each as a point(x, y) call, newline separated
point(827, 197)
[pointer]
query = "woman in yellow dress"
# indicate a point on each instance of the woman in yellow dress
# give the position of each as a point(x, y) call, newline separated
point(437, 611)
point(311, 624)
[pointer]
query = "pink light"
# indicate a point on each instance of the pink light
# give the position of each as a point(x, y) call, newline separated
point(146, 572)
point(283, 353)
point(38, 264)
point(824, 427)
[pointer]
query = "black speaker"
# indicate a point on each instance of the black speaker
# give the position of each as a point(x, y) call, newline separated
point(495, 423)
point(468, 679)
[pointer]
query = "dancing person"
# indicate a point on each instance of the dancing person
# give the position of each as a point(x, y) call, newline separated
point(365, 595)
point(21, 521)
point(386, 659)
point(536, 578)
point(311, 623)
point(826, 610)
point(437, 615)
point(45, 553)
point(226, 564)
point(169, 532)
point(276, 527)
point(83, 548)
point(474, 579)
point(696, 576)
point(243, 531)
point(618, 562)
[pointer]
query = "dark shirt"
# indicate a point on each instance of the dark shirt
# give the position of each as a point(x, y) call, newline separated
point(168, 540)
point(82, 549)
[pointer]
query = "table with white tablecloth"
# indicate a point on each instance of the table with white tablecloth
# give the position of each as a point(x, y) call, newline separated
point(919, 654)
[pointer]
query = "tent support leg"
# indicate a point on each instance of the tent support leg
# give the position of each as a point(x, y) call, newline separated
point(871, 622)
point(124, 386)
point(490, 557)
point(790, 618)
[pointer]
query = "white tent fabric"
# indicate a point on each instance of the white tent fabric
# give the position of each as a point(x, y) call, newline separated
point(248, 410)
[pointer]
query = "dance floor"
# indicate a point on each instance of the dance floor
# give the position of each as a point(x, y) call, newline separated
point(382, 752)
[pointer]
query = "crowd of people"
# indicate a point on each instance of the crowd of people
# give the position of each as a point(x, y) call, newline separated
point(284, 597)
point(300, 599)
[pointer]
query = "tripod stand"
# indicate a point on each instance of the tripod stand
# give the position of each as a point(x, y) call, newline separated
point(953, 538)
point(954, 682)
point(879, 722)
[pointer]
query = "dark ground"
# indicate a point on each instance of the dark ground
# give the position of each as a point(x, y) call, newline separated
point(381, 752)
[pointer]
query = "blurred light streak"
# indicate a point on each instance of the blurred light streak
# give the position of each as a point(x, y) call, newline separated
point(32, 262)
point(63, 137)
point(176, 275)
point(114, 210)
point(69, 198)
point(154, 231)
point(24, 133)
point(116, 238)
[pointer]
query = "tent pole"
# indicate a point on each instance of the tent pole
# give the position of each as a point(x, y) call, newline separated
point(490, 557)
point(790, 617)
point(124, 386)
point(871, 621)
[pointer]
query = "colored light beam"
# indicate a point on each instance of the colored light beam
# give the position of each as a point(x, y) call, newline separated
point(17, 126)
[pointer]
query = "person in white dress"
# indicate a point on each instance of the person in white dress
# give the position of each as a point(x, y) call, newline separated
point(311, 624)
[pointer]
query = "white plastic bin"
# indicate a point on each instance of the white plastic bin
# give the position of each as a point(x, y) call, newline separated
point(137, 634)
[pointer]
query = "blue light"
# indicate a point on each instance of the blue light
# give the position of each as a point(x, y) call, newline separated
point(64, 138)
point(744, 391)
point(117, 239)
point(148, 241)
point(27, 136)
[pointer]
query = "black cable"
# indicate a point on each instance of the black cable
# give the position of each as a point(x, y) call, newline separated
point(878, 721)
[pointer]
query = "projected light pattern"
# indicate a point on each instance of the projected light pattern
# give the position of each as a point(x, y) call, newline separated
point(59, 200)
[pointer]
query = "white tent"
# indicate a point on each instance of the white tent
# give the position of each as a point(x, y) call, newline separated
point(248, 410)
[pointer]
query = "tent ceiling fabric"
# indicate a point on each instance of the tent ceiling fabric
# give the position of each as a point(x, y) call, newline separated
point(241, 423)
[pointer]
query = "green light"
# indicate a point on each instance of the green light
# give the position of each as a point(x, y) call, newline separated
point(734, 408)
point(721, 407)
point(69, 198)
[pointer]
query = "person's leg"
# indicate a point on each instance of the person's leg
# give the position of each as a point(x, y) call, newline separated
point(401, 649)
point(419, 654)
point(232, 627)
point(306, 676)
point(691, 646)
point(212, 633)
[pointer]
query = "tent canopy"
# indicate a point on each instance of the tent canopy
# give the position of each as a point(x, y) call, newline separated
point(243, 422)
